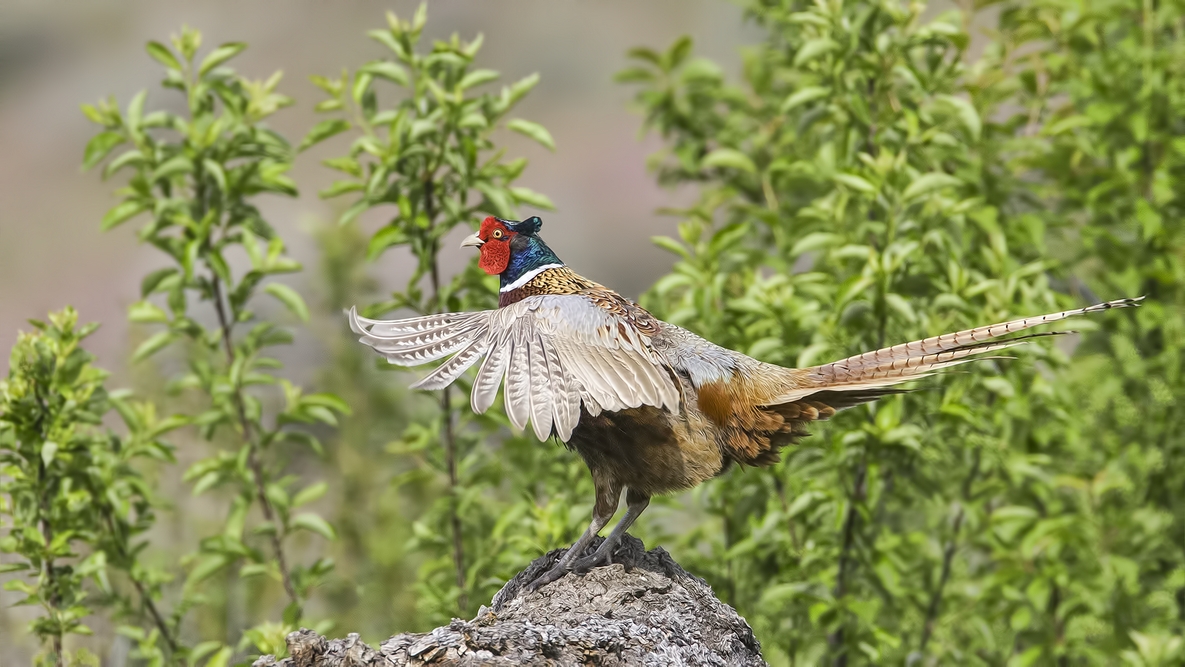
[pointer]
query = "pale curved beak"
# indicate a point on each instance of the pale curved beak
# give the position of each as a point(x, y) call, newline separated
point(472, 241)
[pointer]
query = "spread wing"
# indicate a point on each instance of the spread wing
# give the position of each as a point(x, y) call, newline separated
point(554, 352)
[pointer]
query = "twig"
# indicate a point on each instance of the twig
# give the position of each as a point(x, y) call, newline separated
point(145, 598)
point(835, 641)
point(450, 441)
point(781, 488)
point(253, 449)
point(948, 554)
point(47, 565)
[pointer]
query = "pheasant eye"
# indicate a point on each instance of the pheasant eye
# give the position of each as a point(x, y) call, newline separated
point(498, 234)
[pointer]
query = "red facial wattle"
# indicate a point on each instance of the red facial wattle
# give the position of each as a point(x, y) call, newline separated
point(495, 251)
point(495, 255)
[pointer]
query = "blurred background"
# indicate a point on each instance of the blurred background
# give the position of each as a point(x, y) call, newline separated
point(56, 56)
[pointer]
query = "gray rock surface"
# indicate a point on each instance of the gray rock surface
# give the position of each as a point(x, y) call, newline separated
point(642, 610)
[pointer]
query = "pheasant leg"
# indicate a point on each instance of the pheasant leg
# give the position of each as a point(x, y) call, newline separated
point(608, 494)
point(636, 503)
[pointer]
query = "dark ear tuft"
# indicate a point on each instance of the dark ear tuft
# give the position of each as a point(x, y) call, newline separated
point(533, 224)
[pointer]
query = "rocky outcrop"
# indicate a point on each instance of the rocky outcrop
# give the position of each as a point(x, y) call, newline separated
point(642, 610)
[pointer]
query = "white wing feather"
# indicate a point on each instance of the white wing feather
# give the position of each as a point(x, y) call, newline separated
point(553, 353)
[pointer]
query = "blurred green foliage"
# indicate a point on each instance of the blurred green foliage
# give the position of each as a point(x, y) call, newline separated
point(870, 178)
point(196, 173)
point(868, 182)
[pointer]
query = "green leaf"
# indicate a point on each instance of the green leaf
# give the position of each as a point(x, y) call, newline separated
point(124, 159)
point(534, 131)
point(136, 110)
point(855, 182)
point(221, 658)
point(204, 649)
point(147, 312)
point(98, 148)
point(339, 188)
point(309, 494)
point(152, 345)
point(815, 241)
point(215, 171)
point(122, 213)
point(252, 570)
point(207, 566)
point(361, 85)
point(289, 298)
point(322, 131)
point(220, 55)
point(927, 183)
point(162, 55)
point(677, 52)
point(1013, 513)
point(353, 212)
point(178, 164)
point(521, 87)
point(532, 198)
point(813, 49)
point(966, 113)
point(48, 450)
point(634, 75)
point(804, 95)
point(728, 158)
point(383, 239)
point(671, 245)
point(802, 501)
point(808, 17)
point(420, 18)
point(1066, 124)
point(150, 282)
point(387, 70)
point(327, 400)
point(476, 78)
point(313, 522)
point(902, 306)
point(643, 53)
point(999, 385)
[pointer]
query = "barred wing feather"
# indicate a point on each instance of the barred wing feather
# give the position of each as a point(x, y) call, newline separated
point(554, 353)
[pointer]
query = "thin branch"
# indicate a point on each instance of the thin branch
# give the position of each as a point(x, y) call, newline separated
point(253, 448)
point(835, 641)
point(781, 488)
point(47, 563)
point(145, 598)
point(948, 554)
point(446, 408)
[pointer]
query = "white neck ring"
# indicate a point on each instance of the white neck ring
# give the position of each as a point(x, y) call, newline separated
point(526, 277)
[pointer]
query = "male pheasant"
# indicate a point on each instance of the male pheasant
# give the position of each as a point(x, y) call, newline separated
point(651, 407)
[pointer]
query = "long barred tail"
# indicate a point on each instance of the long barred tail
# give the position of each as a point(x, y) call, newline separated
point(921, 358)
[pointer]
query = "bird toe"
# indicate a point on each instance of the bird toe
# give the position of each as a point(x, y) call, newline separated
point(546, 578)
point(583, 565)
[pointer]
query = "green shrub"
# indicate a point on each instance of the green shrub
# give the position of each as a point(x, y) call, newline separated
point(75, 503)
point(866, 183)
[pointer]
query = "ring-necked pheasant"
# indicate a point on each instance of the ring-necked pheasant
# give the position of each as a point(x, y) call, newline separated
point(651, 408)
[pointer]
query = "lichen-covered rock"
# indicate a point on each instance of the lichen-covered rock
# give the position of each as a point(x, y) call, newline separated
point(642, 610)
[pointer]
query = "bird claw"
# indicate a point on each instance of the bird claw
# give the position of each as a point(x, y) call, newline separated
point(579, 566)
point(583, 565)
point(547, 577)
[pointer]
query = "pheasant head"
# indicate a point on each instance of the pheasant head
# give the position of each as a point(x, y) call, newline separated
point(513, 251)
